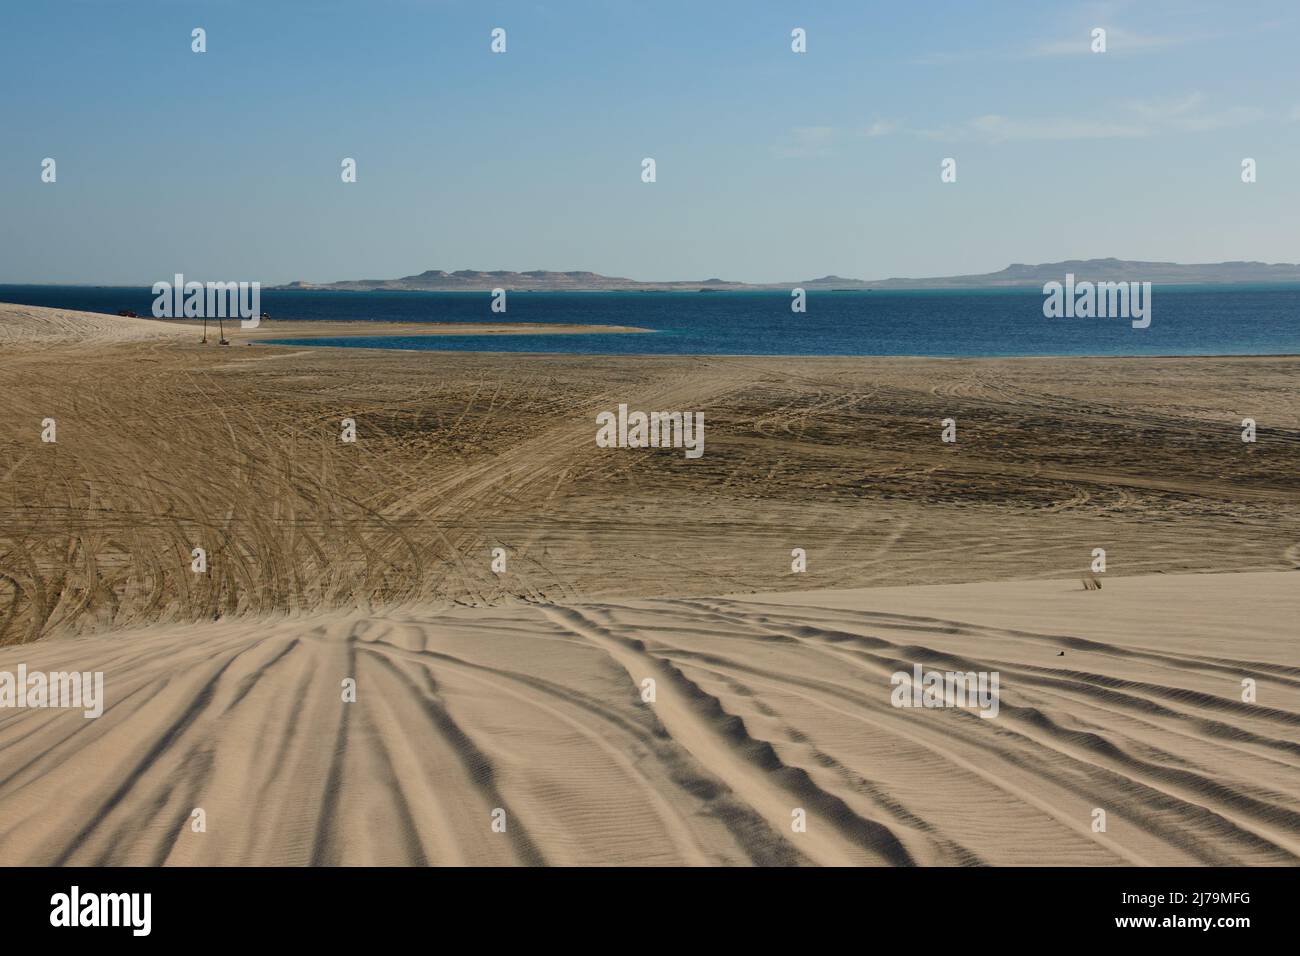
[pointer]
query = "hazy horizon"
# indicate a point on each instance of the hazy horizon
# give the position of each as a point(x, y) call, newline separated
point(771, 165)
point(692, 280)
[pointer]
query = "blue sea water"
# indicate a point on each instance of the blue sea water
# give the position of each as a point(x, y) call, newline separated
point(1185, 320)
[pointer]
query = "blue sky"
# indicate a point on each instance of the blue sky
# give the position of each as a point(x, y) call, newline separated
point(772, 166)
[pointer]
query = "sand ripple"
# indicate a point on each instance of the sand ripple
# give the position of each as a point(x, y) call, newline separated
point(762, 706)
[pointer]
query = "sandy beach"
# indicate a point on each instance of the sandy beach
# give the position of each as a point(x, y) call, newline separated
point(523, 691)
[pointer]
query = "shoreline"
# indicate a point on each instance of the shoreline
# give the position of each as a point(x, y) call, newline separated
point(771, 355)
point(361, 328)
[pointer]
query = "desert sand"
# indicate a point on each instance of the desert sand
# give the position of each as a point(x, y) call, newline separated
point(522, 692)
point(763, 705)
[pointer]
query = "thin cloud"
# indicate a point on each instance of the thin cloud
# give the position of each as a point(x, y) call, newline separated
point(1186, 114)
point(1131, 120)
point(811, 142)
point(1226, 119)
point(997, 128)
point(1165, 108)
point(1118, 40)
point(807, 142)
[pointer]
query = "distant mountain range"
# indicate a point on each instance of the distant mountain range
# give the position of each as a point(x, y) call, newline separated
point(1015, 275)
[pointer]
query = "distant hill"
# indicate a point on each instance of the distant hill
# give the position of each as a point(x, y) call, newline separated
point(472, 280)
point(1015, 275)
point(1113, 270)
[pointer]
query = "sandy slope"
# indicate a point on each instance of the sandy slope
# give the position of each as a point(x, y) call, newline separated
point(165, 445)
point(762, 705)
point(520, 691)
point(33, 326)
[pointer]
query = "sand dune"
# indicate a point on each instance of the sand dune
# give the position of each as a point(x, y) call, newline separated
point(33, 326)
point(165, 444)
point(763, 705)
point(522, 691)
